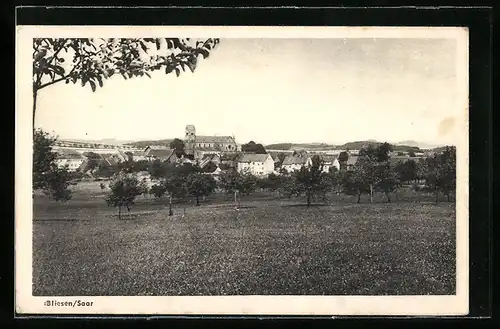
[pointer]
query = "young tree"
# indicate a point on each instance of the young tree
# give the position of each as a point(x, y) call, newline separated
point(47, 176)
point(310, 181)
point(91, 61)
point(199, 185)
point(178, 146)
point(123, 191)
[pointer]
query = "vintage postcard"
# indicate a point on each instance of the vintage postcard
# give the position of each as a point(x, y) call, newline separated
point(241, 170)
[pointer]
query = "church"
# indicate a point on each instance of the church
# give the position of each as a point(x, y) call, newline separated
point(198, 146)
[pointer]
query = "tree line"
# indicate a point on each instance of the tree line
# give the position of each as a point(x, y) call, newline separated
point(373, 172)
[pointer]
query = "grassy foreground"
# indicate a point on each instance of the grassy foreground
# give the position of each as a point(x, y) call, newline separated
point(267, 247)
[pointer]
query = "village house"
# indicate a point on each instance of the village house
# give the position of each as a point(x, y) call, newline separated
point(73, 161)
point(137, 155)
point(161, 153)
point(329, 162)
point(207, 158)
point(292, 163)
point(228, 159)
point(256, 164)
point(349, 164)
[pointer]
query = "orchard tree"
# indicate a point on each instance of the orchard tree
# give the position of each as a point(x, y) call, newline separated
point(373, 169)
point(440, 172)
point(91, 61)
point(353, 183)
point(234, 182)
point(123, 191)
point(387, 180)
point(93, 160)
point(310, 181)
point(158, 190)
point(47, 176)
point(200, 185)
point(406, 171)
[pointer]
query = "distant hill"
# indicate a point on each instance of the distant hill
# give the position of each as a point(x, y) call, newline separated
point(144, 144)
point(106, 141)
point(404, 146)
point(356, 145)
point(421, 145)
point(291, 146)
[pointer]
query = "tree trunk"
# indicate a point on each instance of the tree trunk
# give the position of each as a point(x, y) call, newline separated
point(35, 93)
point(119, 212)
point(197, 200)
point(388, 197)
point(448, 196)
point(170, 212)
point(308, 199)
point(359, 196)
point(235, 201)
point(371, 193)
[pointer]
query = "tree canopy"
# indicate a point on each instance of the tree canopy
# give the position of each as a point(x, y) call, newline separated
point(252, 147)
point(91, 61)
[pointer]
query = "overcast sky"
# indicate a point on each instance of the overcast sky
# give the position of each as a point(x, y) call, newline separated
point(276, 90)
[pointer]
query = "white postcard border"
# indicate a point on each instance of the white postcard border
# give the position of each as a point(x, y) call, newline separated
point(246, 305)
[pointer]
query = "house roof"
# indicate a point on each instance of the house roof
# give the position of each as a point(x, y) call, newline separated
point(352, 160)
point(291, 160)
point(69, 154)
point(228, 156)
point(159, 153)
point(156, 147)
point(210, 157)
point(214, 139)
point(328, 158)
point(396, 159)
point(250, 157)
point(137, 152)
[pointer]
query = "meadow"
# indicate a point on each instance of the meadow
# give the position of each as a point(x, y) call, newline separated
point(269, 246)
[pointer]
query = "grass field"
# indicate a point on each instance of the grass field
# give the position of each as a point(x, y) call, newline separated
point(269, 246)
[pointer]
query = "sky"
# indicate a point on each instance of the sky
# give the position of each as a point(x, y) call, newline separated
point(276, 90)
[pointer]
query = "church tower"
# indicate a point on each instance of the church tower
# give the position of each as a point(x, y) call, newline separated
point(190, 140)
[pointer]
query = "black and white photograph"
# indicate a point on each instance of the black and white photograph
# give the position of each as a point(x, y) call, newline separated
point(193, 170)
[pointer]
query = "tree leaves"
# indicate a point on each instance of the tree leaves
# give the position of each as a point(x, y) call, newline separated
point(98, 59)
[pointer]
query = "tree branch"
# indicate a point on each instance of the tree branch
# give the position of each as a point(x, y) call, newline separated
point(59, 79)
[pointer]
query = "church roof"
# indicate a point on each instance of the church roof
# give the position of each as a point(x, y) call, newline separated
point(214, 139)
point(159, 153)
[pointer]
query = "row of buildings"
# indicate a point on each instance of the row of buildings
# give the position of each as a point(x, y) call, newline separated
point(221, 151)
